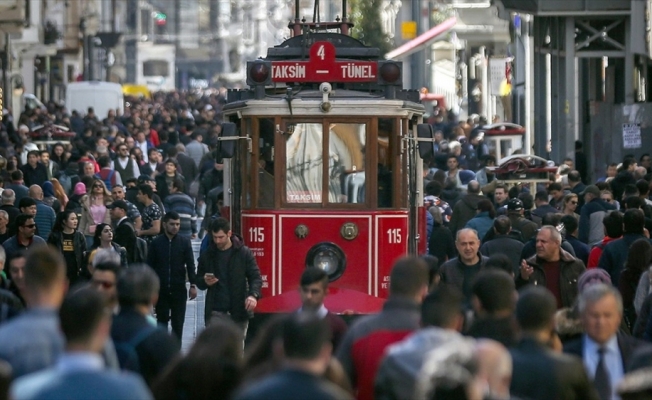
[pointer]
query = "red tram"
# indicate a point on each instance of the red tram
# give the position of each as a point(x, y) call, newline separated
point(323, 168)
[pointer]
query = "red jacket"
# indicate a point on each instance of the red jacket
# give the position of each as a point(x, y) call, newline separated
point(596, 252)
point(363, 347)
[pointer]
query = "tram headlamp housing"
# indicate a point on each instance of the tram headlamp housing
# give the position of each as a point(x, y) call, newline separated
point(328, 257)
point(390, 73)
point(259, 73)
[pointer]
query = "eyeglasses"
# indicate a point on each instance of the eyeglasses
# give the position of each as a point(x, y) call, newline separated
point(97, 186)
point(30, 226)
point(103, 284)
point(573, 202)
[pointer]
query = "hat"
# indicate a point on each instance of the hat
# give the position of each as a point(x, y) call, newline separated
point(514, 205)
point(591, 277)
point(80, 188)
point(145, 178)
point(594, 190)
point(118, 204)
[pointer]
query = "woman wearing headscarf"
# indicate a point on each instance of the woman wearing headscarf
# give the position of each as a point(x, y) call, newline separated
point(48, 196)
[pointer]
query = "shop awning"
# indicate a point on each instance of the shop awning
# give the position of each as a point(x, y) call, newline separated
point(423, 40)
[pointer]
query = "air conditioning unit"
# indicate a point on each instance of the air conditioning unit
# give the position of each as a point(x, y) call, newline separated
point(12, 15)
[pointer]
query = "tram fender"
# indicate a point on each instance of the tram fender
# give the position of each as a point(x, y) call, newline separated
point(338, 301)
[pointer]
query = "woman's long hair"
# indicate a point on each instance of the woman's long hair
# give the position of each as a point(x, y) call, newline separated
point(98, 234)
point(212, 369)
point(107, 193)
point(59, 192)
point(567, 199)
point(639, 256)
point(62, 217)
point(485, 205)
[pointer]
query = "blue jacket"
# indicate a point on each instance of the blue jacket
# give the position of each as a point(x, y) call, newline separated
point(481, 223)
point(45, 217)
point(172, 259)
point(614, 255)
point(591, 229)
point(183, 204)
point(76, 382)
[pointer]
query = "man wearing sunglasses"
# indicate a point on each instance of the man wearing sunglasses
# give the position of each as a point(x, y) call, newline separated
point(25, 238)
point(591, 215)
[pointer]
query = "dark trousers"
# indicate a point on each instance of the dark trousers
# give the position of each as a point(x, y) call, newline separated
point(219, 316)
point(172, 304)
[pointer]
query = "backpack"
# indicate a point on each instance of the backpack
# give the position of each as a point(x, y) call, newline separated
point(66, 182)
point(141, 250)
point(107, 181)
point(126, 351)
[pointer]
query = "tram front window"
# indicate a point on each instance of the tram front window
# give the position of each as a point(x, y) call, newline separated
point(304, 163)
point(346, 163)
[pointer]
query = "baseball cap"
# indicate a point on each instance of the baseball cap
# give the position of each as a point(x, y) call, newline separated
point(594, 190)
point(145, 178)
point(514, 205)
point(119, 204)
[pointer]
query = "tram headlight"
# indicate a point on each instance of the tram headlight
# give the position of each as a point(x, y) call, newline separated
point(390, 73)
point(328, 257)
point(258, 72)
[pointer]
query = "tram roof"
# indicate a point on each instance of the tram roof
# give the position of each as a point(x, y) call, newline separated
point(351, 106)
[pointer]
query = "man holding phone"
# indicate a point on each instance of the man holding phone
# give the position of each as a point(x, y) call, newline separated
point(228, 270)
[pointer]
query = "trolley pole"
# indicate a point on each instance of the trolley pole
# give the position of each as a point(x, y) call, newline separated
point(416, 59)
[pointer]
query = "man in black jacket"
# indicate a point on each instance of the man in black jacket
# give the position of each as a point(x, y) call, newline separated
point(539, 373)
point(504, 243)
point(172, 258)
point(124, 230)
point(229, 271)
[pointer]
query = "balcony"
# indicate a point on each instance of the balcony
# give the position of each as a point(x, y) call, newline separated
point(568, 7)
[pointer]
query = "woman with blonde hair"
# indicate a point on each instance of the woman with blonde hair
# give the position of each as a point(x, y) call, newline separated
point(59, 193)
point(570, 205)
point(95, 209)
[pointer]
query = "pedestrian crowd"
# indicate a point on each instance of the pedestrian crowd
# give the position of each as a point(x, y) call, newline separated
point(527, 291)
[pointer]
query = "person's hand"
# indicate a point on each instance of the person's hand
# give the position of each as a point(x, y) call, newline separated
point(250, 303)
point(192, 294)
point(646, 233)
point(193, 236)
point(210, 279)
point(526, 270)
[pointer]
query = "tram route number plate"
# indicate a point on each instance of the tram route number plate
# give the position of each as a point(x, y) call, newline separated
point(323, 67)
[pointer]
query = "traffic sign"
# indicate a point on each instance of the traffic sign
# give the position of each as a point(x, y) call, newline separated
point(408, 30)
point(323, 67)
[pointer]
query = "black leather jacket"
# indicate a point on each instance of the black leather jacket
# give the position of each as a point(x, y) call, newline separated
point(244, 278)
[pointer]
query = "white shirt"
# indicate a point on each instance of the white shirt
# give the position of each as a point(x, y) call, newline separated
point(123, 163)
point(321, 313)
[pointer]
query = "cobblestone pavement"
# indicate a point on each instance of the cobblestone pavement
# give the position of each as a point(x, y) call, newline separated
point(194, 322)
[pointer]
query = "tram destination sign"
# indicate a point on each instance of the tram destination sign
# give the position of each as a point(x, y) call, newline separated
point(323, 67)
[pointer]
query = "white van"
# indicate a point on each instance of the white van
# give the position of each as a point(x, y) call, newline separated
point(102, 96)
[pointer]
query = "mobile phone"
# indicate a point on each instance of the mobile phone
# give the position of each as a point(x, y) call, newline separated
point(212, 275)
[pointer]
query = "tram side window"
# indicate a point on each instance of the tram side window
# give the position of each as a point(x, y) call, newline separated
point(266, 190)
point(346, 163)
point(386, 138)
point(304, 164)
